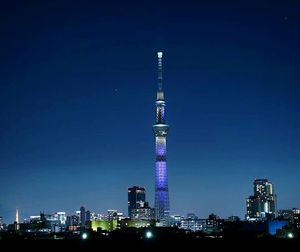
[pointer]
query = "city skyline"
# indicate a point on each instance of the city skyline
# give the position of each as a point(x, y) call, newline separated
point(76, 104)
point(256, 207)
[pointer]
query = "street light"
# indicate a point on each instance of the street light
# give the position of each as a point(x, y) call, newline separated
point(149, 235)
point(290, 235)
point(84, 236)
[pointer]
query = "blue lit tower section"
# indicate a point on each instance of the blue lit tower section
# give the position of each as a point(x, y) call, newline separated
point(160, 129)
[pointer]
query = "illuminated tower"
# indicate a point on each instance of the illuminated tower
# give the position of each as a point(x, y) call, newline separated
point(160, 130)
point(17, 220)
point(17, 216)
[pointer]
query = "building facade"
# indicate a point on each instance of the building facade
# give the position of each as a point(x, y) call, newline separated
point(144, 212)
point(104, 225)
point(61, 217)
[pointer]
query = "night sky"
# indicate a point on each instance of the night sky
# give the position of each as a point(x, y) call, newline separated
point(77, 102)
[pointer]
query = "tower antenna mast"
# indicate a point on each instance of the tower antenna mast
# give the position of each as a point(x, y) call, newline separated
point(159, 55)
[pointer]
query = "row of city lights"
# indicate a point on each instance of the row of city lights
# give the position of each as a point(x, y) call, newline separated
point(148, 235)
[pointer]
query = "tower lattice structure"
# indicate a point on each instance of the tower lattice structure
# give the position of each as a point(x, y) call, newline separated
point(160, 129)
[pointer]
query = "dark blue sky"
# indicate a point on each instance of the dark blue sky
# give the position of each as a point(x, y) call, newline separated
point(77, 92)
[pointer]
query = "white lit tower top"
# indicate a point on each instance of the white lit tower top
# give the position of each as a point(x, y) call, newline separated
point(17, 216)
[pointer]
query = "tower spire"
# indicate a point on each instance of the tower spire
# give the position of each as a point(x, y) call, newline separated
point(160, 92)
point(159, 57)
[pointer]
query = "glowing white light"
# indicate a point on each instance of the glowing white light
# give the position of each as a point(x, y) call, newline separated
point(159, 54)
point(84, 236)
point(290, 235)
point(149, 234)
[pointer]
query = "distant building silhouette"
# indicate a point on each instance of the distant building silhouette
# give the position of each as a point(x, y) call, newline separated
point(82, 216)
point(233, 218)
point(1, 223)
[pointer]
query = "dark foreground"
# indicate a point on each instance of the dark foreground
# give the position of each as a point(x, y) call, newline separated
point(132, 239)
point(149, 245)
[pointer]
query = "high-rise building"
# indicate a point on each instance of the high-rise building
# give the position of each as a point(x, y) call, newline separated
point(1, 222)
point(136, 197)
point(82, 216)
point(160, 130)
point(88, 216)
point(262, 205)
